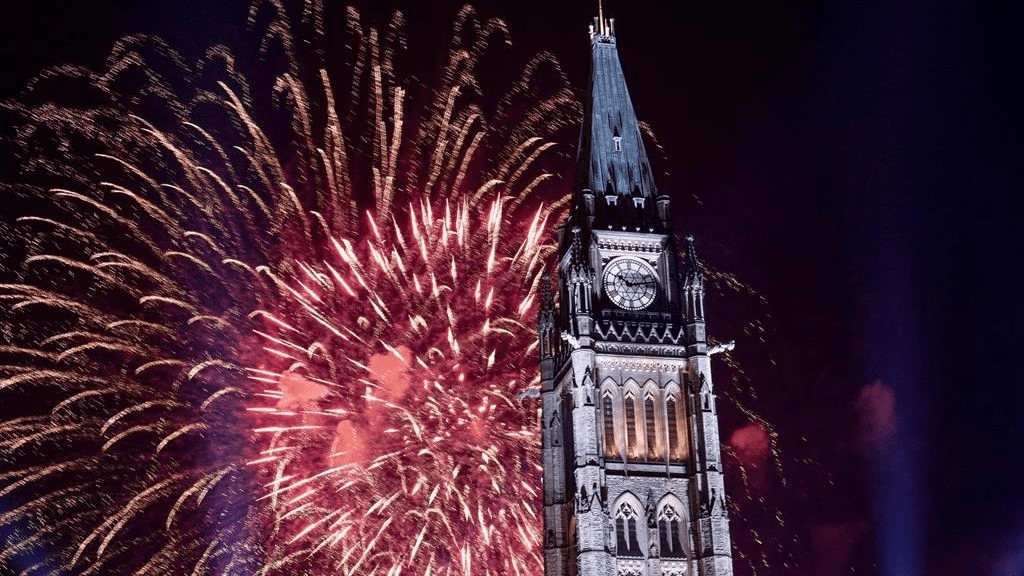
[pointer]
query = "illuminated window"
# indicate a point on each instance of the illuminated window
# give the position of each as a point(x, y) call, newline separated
point(609, 426)
point(618, 143)
point(631, 439)
point(649, 421)
point(673, 427)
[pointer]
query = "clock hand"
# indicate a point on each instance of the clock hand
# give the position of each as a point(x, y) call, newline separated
point(644, 282)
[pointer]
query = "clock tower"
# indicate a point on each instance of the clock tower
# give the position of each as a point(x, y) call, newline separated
point(632, 465)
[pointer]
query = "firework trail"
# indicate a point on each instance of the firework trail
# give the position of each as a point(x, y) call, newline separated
point(763, 541)
point(287, 347)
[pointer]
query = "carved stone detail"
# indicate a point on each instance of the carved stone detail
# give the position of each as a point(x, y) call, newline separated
point(640, 349)
point(610, 240)
point(647, 334)
point(641, 364)
point(630, 567)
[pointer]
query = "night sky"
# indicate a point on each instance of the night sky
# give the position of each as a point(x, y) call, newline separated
point(854, 163)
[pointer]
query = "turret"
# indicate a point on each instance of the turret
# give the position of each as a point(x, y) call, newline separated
point(546, 332)
point(581, 290)
point(664, 215)
point(693, 300)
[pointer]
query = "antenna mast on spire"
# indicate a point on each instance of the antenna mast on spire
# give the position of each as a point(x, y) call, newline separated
point(600, 17)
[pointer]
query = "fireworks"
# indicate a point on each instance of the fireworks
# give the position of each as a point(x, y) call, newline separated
point(285, 346)
point(427, 440)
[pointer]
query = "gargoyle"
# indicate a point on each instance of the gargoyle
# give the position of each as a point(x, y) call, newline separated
point(571, 340)
point(720, 347)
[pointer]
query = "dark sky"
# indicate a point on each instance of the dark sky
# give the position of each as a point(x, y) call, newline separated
point(856, 163)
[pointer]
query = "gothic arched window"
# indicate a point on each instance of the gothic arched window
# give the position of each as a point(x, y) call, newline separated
point(673, 427)
point(631, 439)
point(608, 415)
point(649, 420)
point(670, 533)
point(626, 543)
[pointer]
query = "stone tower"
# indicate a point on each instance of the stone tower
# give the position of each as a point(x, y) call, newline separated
point(632, 463)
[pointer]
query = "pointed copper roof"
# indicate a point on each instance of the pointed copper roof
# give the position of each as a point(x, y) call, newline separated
point(611, 157)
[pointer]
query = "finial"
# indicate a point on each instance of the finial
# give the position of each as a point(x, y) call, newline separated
point(691, 250)
point(603, 28)
point(693, 271)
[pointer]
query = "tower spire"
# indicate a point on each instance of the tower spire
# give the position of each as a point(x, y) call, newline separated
point(611, 161)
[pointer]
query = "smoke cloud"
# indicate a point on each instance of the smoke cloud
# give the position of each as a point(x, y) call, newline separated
point(876, 411)
point(751, 444)
point(298, 392)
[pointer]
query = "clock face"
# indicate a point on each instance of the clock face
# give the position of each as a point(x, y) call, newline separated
point(630, 283)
